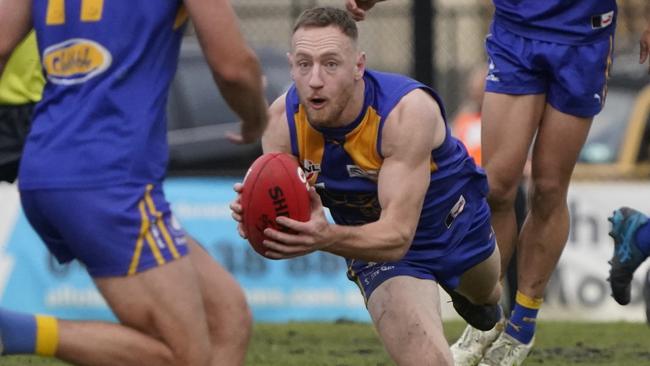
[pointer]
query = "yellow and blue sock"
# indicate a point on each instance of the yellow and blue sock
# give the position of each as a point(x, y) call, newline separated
point(521, 325)
point(642, 237)
point(28, 333)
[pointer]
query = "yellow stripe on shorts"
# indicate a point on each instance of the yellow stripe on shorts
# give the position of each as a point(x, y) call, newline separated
point(161, 223)
point(144, 227)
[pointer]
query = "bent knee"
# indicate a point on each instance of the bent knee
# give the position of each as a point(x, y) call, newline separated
point(489, 297)
point(231, 324)
point(502, 193)
point(548, 194)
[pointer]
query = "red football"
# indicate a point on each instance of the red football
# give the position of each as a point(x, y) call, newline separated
point(274, 185)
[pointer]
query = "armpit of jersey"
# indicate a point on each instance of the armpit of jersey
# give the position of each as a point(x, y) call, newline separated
point(75, 61)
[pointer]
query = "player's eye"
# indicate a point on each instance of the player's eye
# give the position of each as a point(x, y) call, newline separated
point(331, 65)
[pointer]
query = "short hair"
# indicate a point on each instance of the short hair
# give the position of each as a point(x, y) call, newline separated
point(325, 16)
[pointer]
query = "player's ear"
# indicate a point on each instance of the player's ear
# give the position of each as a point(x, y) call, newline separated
point(360, 66)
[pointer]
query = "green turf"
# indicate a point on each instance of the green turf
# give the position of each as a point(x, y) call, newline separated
point(352, 344)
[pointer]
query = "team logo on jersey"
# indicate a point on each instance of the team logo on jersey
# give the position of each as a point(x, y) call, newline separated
point(459, 206)
point(492, 69)
point(356, 172)
point(311, 169)
point(75, 61)
point(602, 20)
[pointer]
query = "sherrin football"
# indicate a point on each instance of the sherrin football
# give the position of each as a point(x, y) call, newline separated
point(274, 185)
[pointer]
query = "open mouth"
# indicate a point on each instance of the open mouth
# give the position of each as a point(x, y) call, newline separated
point(317, 103)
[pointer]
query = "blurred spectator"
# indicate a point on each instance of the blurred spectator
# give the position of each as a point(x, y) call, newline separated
point(21, 85)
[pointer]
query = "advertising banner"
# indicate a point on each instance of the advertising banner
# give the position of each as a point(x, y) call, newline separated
point(313, 287)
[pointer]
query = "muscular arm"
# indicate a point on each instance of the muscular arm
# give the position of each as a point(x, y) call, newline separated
point(234, 65)
point(15, 23)
point(412, 130)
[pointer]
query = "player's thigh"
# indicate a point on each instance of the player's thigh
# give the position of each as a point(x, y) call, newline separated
point(406, 313)
point(228, 315)
point(164, 302)
point(509, 123)
point(557, 147)
point(481, 282)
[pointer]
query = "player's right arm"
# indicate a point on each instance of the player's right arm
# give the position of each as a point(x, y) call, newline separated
point(358, 8)
point(234, 65)
point(276, 139)
point(15, 23)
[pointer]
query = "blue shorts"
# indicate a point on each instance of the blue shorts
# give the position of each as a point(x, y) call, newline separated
point(477, 245)
point(573, 77)
point(113, 231)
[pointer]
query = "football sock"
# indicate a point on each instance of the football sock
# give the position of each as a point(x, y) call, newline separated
point(642, 238)
point(22, 333)
point(521, 325)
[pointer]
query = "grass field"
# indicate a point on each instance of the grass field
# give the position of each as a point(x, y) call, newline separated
point(353, 344)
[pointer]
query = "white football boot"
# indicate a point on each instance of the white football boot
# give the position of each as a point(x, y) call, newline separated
point(506, 351)
point(469, 349)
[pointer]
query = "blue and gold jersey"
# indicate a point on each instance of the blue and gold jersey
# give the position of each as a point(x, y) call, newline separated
point(559, 21)
point(343, 164)
point(108, 66)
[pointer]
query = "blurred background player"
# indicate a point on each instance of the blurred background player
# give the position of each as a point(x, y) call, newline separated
point(91, 179)
point(548, 69)
point(630, 228)
point(21, 86)
point(408, 202)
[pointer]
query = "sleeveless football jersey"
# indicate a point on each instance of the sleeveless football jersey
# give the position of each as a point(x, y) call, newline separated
point(561, 21)
point(108, 66)
point(343, 163)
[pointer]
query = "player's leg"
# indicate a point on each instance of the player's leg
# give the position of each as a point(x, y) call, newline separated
point(509, 125)
point(228, 315)
point(76, 341)
point(545, 231)
point(480, 283)
point(406, 314)
point(165, 303)
point(137, 257)
point(156, 328)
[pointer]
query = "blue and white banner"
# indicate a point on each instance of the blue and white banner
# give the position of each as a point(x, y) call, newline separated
point(313, 287)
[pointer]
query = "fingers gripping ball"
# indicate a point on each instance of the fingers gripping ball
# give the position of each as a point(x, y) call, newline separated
point(274, 185)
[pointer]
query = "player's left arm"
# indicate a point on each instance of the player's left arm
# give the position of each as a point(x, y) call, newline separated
point(412, 130)
point(15, 24)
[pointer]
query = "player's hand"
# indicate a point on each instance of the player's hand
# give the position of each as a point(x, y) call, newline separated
point(247, 135)
point(358, 8)
point(237, 211)
point(307, 237)
point(644, 43)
